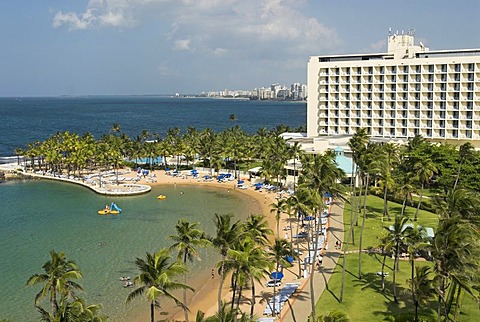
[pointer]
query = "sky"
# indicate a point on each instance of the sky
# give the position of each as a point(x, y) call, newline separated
point(150, 47)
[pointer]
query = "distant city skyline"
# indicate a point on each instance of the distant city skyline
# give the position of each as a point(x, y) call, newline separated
point(138, 47)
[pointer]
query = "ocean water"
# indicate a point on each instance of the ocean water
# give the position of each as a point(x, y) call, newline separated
point(38, 216)
point(25, 120)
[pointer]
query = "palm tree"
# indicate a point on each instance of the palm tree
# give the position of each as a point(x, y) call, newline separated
point(280, 249)
point(225, 314)
point(157, 279)
point(186, 241)
point(421, 287)
point(257, 227)
point(57, 281)
point(278, 207)
point(466, 152)
point(334, 316)
point(251, 264)
point(226, 236)
point(424, 169)
point(396, 240)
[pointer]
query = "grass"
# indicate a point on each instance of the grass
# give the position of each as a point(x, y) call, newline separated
point(363, 298)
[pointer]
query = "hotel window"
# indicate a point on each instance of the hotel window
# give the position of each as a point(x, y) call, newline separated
point(416, 131)
point(457, 68)
point(382, 79)
point(442, 114)
point(429, 132)
point(429, 123)
point(442, 133)
point(455, 105)
point(455, 115)
point(405, 78)
point(469, 115)
point(455, 133)
point(405, 87)
point(370, 70)
point(393, 87)
point(393, 96)
point(392, 114)
point(418, 69)
point(443, 105)
point(417, 105)
point(404, 132)
point(392, 122)
point(430, 68)
point(444, 68)
point(455, 123)
point(418, 78)
point(382, 70)
point(380, 88)
point(359, 70)
point(380, 113)
point(394, 69)
point(417, 114)
point(444, 78)
point(470, 86)
point(470, 67)
point(417, 87)
point(470, 77)
point(442, 123)
point(469, 105)
point(429, 114)
point(405, 69)
point(392, 132)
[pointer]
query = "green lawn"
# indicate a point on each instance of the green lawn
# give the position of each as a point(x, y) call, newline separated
point(363, 299)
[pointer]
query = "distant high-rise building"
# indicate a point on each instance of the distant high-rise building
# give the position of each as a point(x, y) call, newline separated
point(407, 91)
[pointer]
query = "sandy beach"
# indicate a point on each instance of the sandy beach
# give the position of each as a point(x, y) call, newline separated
point(205, 297)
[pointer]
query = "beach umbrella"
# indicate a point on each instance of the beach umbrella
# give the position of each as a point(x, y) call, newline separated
point(258, 184)
point(289, 259)
point(240, 182)
point(308, 218)
point(277, 275)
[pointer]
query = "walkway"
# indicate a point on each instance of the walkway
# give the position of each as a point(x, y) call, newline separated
point(299, 307)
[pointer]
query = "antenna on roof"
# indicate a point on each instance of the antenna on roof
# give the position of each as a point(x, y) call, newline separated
point(390, 31)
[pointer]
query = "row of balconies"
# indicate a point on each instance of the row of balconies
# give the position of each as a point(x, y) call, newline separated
point(402, 70)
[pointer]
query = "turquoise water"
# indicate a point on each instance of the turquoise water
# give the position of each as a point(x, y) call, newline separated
point(39, 216)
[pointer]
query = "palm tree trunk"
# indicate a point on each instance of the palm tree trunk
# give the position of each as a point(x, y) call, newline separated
point(457, 304)
point(152, 311)
point(185, 309)
point(344, 265)
point(362, 228)
point(414, 295)
point(234, 286)
point(383, 268)
point(385, 203)
point(220, 286)
point(252, 306)
point(419, 203)
point(397, 249)
point(458, 174)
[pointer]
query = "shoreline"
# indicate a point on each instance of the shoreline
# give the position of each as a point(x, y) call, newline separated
point(205, 297)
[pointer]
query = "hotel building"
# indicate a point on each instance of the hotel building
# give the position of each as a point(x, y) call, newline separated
point(407, 91)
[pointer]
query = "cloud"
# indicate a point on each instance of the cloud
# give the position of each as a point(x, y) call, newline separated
point(182, 44)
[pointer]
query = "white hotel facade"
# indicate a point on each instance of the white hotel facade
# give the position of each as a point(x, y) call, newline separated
point(407, 91)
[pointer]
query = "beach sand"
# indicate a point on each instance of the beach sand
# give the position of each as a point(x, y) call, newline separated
point(205, 297)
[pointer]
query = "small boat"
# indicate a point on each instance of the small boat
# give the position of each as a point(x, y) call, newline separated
point(125, 278)
point(128, 284)
point(162, 197)
point(103, 212)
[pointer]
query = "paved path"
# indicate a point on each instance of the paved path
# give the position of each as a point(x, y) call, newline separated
point(299, 307)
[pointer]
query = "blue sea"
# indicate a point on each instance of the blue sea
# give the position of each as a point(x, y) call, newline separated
point(38, 216)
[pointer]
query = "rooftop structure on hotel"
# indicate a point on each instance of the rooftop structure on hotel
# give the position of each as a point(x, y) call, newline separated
point(407, 91)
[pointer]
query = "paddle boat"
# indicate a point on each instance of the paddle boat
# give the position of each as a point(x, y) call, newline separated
point(113, 209)
point(162, 197)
